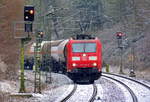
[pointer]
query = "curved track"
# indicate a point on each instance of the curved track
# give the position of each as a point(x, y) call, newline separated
point(69, 95)
point(138, 90)
point(94, 93)
point(146, 86)
point(72, 94)
point(134, 97)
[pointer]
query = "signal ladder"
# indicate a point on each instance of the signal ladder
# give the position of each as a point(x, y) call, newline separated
point(48, 77)
point(37, 50)
point(48, 66)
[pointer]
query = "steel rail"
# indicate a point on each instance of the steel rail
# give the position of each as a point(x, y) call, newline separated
point(70, 94)
point(94, 93)
point(134, 97)
point(146, 86)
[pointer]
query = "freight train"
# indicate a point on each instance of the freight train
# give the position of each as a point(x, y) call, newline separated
point(80, 57)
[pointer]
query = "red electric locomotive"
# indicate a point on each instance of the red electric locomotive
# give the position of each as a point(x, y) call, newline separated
point(84, 58)
point(79, 57)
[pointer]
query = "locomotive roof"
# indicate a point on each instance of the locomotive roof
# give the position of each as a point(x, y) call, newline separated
point(83, 37)
point(85, 40)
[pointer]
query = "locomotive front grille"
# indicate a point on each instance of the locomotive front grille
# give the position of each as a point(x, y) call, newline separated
point(84, 70)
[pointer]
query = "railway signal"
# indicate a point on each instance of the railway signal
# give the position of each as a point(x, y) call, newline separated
point(37, 56)
point(41, 34)
point(119, 36)
point(29, 13)
point(28, 17)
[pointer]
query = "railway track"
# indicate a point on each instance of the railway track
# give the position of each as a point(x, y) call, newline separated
point(75, 97)
point(94, 93)
point(134, 97)
point(131, 85)
point(70, 94)
point(146, 86)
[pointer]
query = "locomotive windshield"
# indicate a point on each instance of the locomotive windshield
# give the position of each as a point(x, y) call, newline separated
point(84, 47)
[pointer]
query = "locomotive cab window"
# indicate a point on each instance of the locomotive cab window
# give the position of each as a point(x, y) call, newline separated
point(84, 47)
point(78, 47)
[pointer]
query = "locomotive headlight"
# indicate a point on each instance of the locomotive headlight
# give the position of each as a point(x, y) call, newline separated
point(94, 64)
point(84, 54)
point(93, 58)
point(75, 58)
point(73, 64)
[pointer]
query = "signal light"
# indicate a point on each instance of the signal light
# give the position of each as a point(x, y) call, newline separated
point(31, 12)
point(119, 35)
point(28, 13)
point(41, 34)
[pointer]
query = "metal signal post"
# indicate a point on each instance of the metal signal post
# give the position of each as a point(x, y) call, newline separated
point(37, 56)
point(28, 18)
point(132, 73)
point(121, 64)
point(119, 36)
point(22, 79)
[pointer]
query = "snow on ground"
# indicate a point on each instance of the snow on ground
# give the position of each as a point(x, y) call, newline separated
point(108, 91)
point(140, 75)
point(59, 86)
point(111, 91)
point(67, 92)
point(7, 86)
point(142, 93)
point(48, 90)
point(127, 96)
point(49, 95)
point(99, 95)
point(82, 94)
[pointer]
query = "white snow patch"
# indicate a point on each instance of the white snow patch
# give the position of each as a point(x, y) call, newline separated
point(68, 91)
point(127, 95)
point(82, 94)
point(3, 66)
point(142, 93)
point(37, 95)
point(5, 87)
